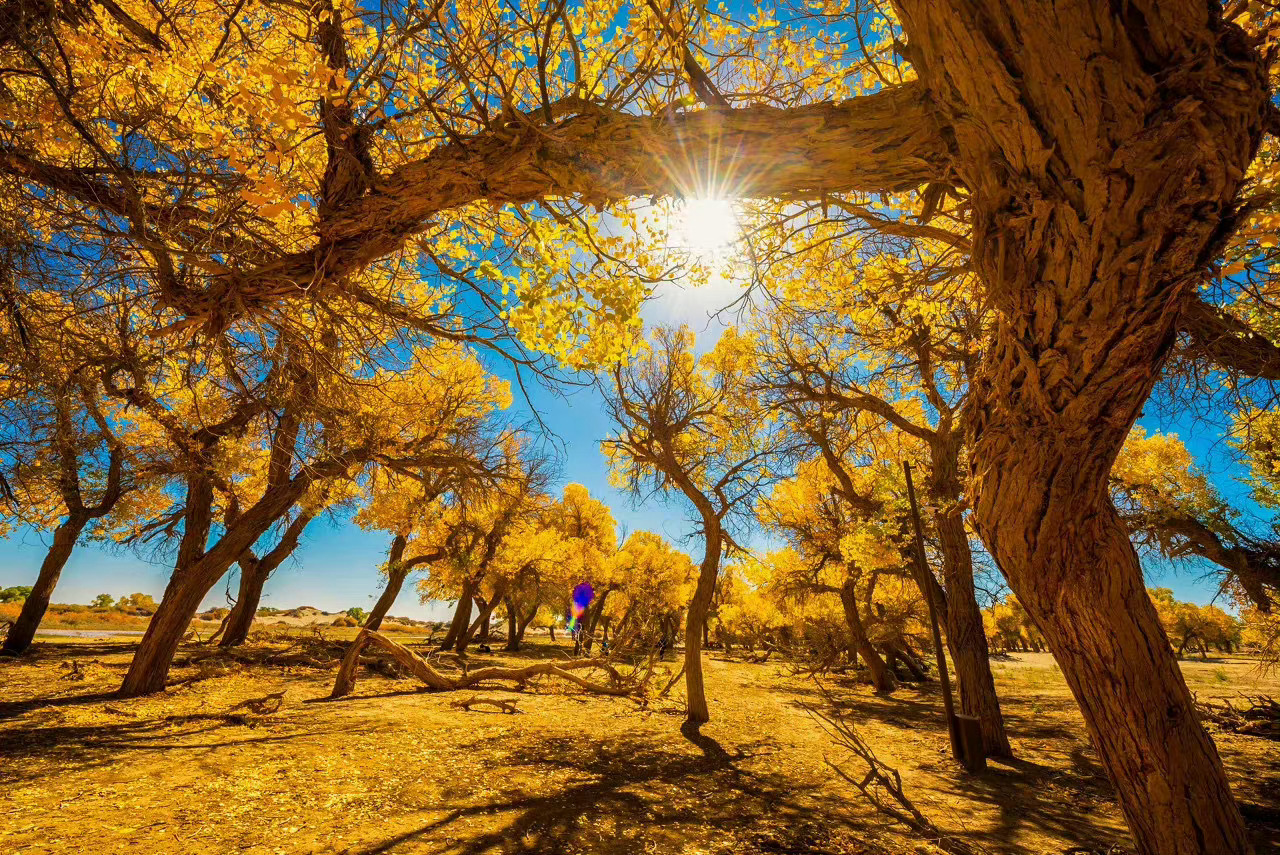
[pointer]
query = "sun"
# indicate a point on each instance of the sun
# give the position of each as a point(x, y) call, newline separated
point(704, 227)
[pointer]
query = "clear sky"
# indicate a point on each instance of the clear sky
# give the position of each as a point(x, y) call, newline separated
point(336, 565)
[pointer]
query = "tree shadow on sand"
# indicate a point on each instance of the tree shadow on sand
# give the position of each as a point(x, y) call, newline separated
point(621, 795)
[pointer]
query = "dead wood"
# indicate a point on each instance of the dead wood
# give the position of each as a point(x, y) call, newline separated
point(1255, 716)
point(420, 668)
point(498, 703)
point(882, 784)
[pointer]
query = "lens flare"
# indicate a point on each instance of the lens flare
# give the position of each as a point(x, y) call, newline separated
point(582, 596)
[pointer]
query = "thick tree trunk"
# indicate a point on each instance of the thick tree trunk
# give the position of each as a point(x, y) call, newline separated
point(479, 631)
point(695, 623)
point(1096, 207)
point(1106, 636)
point(195, 574)
point(461, 618)
point(513, 626)
point(150, 665)
point(37, 603)
point(881, 679)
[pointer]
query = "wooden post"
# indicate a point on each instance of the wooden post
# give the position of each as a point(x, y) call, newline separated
point(948, 704)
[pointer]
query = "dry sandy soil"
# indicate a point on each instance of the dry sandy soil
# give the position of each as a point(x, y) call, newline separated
point(392, 769)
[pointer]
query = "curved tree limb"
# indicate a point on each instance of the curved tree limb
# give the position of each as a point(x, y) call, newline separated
point(423, 670)
point(1229, 342)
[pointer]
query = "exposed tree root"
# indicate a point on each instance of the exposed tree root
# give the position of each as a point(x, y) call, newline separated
point(423, 670)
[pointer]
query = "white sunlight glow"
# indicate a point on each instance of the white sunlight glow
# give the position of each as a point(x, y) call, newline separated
point(704, 227)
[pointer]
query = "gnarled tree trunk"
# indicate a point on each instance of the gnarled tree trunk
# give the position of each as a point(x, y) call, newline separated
point(1102, 146)
point(37, 603)
point(197, 571)
point(461, 616)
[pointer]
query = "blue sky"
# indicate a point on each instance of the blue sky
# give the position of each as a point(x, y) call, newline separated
point(336, 565)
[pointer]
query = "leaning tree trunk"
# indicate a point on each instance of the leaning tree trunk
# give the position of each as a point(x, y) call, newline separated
point(461, 617)
point(967, 635)
point(195, 574)
point(881, 679)
point(253, 578)
point(696, 621)
point(395, 581)
point(1103, 147)
point(1106, 636)
point(37, 603)
point(150, 665)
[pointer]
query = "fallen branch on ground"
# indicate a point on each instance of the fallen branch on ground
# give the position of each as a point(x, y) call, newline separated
point(468, 703)
point(1261, 716)
point(266, 705)
point(423, 670)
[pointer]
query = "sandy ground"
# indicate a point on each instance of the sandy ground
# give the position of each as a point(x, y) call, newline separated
point(396, 769)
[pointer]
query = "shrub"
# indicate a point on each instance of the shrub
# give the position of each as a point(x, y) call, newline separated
point(16, 594)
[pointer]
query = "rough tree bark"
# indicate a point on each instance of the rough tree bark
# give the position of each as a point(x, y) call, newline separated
point(197, 570)
point(1103, 147)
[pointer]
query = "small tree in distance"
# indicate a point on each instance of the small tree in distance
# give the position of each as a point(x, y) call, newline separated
point(686, 427)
